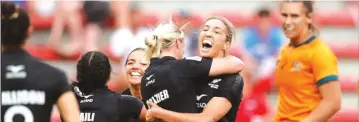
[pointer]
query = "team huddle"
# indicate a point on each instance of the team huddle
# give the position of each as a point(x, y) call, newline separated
point(165, 85)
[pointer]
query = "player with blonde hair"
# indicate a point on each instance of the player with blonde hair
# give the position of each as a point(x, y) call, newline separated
point(170, 80)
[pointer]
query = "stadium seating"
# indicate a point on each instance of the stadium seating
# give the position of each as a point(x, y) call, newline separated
point(346, 115)
point(323, 18)
point(348, 50)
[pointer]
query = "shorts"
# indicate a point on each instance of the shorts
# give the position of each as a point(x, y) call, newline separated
point(96, 11)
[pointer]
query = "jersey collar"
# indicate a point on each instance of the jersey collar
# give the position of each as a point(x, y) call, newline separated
point(160, 60)
point(306, 42)
point(15, 52)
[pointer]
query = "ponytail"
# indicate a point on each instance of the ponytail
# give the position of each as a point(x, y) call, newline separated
point(153, 47)
point(164, 35)
point(313, 29)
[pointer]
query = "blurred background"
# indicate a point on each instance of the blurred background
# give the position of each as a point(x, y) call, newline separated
point(63, 30)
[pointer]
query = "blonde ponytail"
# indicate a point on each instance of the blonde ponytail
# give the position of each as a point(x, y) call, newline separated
point(164, 35)
point(153, 47)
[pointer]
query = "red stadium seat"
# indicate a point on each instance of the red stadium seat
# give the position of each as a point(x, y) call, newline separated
point(55, 118)
point(236, 18)
point(334, 18)
point(42, 52)
point(195, 19)
point(39, 22)
point(46, 53)
point(149, 18)
point(348, 50)
point(346, 115)
point(348, 84)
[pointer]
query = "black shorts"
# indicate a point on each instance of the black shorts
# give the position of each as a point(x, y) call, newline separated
point(96, 11)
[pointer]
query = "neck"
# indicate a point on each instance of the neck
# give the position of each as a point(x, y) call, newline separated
point(168, 53)
point(221, 54)
point(136, 91)
point(301, 38)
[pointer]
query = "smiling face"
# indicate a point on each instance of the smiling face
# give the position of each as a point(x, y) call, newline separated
point(213, 38)
point(136, 65)
point(294, 19)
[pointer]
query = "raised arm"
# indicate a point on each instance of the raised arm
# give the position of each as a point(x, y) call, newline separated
point(200, 67)
point(226, 65)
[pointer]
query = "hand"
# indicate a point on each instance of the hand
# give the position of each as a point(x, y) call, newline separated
point(151, 112)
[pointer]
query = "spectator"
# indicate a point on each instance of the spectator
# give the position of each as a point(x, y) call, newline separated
point(83, 38)
point(130, 33)
point(261, 43)
point(67, 13)
point(96, 13)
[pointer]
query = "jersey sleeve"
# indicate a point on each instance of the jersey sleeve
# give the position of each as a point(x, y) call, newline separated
point(325, 66)
point(133, 105)
point(195, 67)
point(231, 88)
point(61, 85)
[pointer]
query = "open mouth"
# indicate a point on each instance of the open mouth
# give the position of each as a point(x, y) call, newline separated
point(288, 27)
point(207, 44)
point(136, 74)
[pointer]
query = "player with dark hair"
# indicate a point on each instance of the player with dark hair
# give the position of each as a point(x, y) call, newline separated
point(307, 70)
point(29, 87)
point(170, 81)
point(219, 97)
point(97, 102)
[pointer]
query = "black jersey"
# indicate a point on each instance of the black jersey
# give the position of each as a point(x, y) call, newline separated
point(226, 86)
point(133, 119)
point(170, 83)
point(127, 92)
point(103, 105)
point(29, 87)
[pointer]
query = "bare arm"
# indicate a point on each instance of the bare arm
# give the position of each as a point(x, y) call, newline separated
point(329, 105)
point(226, 65)
point(156, 112)
point(68, 107)
point(216, 108)
point(143, 113)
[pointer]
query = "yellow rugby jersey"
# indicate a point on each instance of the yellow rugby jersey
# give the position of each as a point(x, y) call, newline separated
point(299, 73)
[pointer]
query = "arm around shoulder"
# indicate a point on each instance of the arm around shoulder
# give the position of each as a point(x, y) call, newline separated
point(226, 65)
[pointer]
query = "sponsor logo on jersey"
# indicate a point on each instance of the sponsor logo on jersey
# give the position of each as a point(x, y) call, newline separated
point(200, 96)
point(214, 84)
point(296, 67)
point(79, 93)
point(15, 72)
point(151, 81)
point(159, 97)
point(149, 77)
point(24, 97)
point(86, 117)
point(200, 104)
